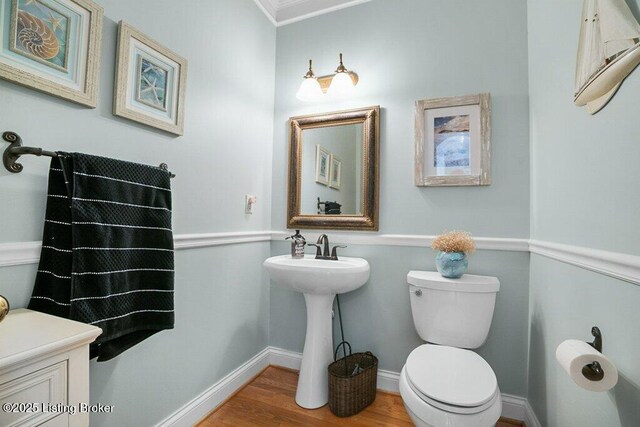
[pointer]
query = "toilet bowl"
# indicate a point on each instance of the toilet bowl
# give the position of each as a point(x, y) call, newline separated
point(447, 386)
point(443, 383)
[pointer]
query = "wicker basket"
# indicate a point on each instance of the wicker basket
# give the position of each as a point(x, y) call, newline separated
point(350, 394)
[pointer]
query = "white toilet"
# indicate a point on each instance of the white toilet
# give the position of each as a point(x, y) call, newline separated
point(442, 383)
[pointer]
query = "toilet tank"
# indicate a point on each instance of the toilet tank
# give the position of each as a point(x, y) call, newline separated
point(453, 312)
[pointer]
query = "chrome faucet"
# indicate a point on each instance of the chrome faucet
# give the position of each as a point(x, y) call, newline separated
point(324, 252)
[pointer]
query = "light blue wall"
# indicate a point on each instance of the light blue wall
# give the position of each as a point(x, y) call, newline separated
point(584, 187)
point(566, 301)
point(421, 49)
point(377, 317)
point(584, 191)
point(222, 295)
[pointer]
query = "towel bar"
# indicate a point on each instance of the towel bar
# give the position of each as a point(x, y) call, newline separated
point(16, 149)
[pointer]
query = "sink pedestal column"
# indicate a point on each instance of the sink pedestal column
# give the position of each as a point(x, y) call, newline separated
point(313, 383)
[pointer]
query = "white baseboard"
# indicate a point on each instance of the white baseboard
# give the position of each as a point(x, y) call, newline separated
point(530, 418)
point(512, 406)
point(211, 398)
point(387, 380)
point(285, 358)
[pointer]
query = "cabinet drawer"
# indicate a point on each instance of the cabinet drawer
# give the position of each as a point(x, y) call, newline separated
point(44, 388)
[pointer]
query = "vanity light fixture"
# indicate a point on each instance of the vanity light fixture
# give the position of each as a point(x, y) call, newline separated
point(339, 85)
point(310, 88)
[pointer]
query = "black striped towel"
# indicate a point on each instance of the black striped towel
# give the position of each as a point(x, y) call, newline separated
point(107, 250)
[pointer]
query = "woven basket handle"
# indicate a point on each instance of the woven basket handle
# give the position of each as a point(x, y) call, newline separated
point(344, 345)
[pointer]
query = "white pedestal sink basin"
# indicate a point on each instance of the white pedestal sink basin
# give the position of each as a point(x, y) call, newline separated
point(319, 280)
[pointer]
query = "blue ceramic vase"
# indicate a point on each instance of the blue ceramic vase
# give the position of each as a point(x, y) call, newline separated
point(452, 265)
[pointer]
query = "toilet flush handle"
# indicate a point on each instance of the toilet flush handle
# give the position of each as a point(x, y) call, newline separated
point(418, 293)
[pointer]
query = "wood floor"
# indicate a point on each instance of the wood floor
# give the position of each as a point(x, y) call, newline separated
point(268, 400)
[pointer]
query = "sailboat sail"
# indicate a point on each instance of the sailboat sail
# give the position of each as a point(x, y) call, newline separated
point(608, 50)
point(590, 56)
point(620, 30)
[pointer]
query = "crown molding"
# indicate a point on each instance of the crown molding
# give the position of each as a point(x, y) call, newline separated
point(283, 12)
point(269, 8)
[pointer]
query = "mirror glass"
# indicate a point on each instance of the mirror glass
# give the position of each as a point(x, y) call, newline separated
point(332, 170)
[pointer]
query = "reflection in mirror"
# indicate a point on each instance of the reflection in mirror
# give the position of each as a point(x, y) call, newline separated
point(332, 170)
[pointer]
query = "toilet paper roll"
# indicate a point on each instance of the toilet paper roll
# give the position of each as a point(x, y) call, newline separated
point(573, 355)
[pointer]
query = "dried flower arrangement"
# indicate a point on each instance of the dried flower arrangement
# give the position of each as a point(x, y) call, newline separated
point(454, 241)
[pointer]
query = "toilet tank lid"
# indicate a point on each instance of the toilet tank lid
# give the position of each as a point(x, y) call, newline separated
point(467, 283)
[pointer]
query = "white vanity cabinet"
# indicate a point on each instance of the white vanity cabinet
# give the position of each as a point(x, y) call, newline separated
point(44, 370)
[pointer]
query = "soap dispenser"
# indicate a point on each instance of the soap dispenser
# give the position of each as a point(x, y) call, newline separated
point(297, 245)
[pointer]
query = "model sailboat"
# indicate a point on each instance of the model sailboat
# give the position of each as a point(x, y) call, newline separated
point(608, 51)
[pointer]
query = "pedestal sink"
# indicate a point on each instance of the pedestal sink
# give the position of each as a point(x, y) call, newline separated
point(319, 280)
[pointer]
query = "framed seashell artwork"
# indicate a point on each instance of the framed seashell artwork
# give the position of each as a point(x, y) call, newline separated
point(150, 82)
point(52, 46)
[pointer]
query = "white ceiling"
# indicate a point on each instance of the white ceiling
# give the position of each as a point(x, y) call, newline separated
point(283, 12)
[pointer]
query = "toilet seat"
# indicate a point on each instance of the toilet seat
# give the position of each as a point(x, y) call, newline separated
point(425, 414)
point(451, 379)
point(452, 408)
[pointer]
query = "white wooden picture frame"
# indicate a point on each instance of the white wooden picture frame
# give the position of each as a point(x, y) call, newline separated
point(452, 141)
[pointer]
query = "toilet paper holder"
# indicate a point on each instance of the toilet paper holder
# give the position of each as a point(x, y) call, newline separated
point(593, 371)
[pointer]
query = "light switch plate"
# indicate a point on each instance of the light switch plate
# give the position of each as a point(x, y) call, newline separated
point(249, 201)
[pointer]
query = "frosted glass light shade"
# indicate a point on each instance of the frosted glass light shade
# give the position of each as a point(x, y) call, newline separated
point(309, 90)
point(341, 86)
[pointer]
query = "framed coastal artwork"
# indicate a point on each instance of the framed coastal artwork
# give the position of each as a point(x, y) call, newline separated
point(452, 141)
point(323, 165)
point(335, 173)
point(150, 82)
point(52, 46)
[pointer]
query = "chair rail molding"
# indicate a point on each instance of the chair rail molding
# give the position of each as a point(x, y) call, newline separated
point(621, 266)
point(614, 264)
point(19, 253)
point(22, 253)
point(416, 240)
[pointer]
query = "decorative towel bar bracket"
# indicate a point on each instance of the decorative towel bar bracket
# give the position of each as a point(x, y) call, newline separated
point(16, 149)
point(593, 371)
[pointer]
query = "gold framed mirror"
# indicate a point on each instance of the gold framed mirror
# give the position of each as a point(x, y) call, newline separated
point(334, 170)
